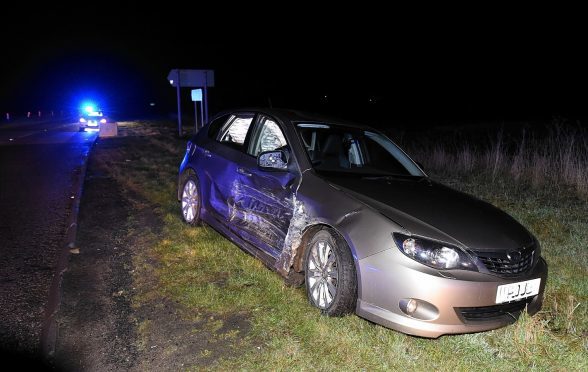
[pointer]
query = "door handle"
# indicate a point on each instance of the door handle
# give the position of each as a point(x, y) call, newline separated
point(207, 153)
point(243, 171)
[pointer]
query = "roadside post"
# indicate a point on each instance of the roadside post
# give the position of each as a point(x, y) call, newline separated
point(206, 97)
point(179, 102)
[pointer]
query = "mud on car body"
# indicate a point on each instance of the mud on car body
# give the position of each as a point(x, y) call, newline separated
point(344, 209)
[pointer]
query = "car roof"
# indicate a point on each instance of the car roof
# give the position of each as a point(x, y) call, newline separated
point(295, 116)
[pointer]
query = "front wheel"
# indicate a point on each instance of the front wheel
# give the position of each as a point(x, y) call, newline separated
point(191, 200)
point(330, 277)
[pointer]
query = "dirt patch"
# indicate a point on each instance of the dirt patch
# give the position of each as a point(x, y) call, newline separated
point(114, 315)
point(173, 339)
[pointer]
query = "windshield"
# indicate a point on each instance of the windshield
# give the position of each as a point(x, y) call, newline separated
point(335, 148)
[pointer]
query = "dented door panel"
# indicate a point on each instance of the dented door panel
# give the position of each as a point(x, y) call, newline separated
point(261, 205)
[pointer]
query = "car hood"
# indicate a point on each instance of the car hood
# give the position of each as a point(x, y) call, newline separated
point(429, 209)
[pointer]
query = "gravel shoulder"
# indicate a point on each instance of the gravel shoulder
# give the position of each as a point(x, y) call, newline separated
point(96, 328)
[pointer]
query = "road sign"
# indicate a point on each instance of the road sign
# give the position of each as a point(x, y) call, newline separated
point(180, 78)
point(191, 78)
point(197, 95)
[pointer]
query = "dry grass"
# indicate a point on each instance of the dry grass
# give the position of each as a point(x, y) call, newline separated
point(554, 157)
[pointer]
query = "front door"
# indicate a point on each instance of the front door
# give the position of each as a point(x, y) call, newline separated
point(263, 200)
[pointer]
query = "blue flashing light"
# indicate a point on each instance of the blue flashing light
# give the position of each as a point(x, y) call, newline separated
point(88, 106)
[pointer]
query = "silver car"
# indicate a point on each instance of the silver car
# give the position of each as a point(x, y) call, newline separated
point(343, 209)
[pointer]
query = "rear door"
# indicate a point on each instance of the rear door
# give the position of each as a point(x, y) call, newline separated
point(221, 164)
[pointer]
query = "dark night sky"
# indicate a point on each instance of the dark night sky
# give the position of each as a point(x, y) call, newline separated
point(516, 67)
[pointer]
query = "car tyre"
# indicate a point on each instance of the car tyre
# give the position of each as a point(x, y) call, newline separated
point(330, 277)
point(190, 201)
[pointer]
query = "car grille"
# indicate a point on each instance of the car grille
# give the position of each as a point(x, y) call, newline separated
point(500, 263)
point(509, 311)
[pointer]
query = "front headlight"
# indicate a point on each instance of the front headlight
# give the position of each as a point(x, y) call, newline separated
point(434, 254)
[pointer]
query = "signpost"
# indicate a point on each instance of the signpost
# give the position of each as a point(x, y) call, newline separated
point(179, 78)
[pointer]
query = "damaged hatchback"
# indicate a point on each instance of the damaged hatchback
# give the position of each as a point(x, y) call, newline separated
point(343, 209)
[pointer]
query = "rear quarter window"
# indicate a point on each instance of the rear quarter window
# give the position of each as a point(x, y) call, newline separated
point(216, 125)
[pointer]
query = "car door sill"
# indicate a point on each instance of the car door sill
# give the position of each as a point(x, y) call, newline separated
point(267, 258)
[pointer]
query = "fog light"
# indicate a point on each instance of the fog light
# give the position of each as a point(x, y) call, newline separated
point(411, 306)
point(418, 309)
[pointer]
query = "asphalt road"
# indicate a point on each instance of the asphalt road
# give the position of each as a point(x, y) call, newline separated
point(40, 164)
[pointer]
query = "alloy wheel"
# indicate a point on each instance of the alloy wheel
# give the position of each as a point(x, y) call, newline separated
point(322, 274)
point(190, 201)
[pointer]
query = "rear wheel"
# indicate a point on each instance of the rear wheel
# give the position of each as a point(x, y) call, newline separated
point(330, 277)
point(190, 202)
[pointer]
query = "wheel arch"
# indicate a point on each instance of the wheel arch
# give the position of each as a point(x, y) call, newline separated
point(309, 231)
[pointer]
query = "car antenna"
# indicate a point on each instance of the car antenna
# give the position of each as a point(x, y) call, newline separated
point(269, 100)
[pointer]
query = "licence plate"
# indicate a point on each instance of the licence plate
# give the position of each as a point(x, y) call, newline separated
point(517, 291)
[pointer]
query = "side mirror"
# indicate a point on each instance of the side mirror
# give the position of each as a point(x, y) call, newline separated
point(272, 160)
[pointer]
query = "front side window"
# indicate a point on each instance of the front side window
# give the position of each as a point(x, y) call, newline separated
point(267, 137)
point(354, 150)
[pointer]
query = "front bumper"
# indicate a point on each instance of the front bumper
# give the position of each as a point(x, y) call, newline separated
point(90, 125)
point(461, 303)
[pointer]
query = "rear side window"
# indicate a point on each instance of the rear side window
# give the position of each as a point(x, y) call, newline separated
point(216, 125)
point(234, 133)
